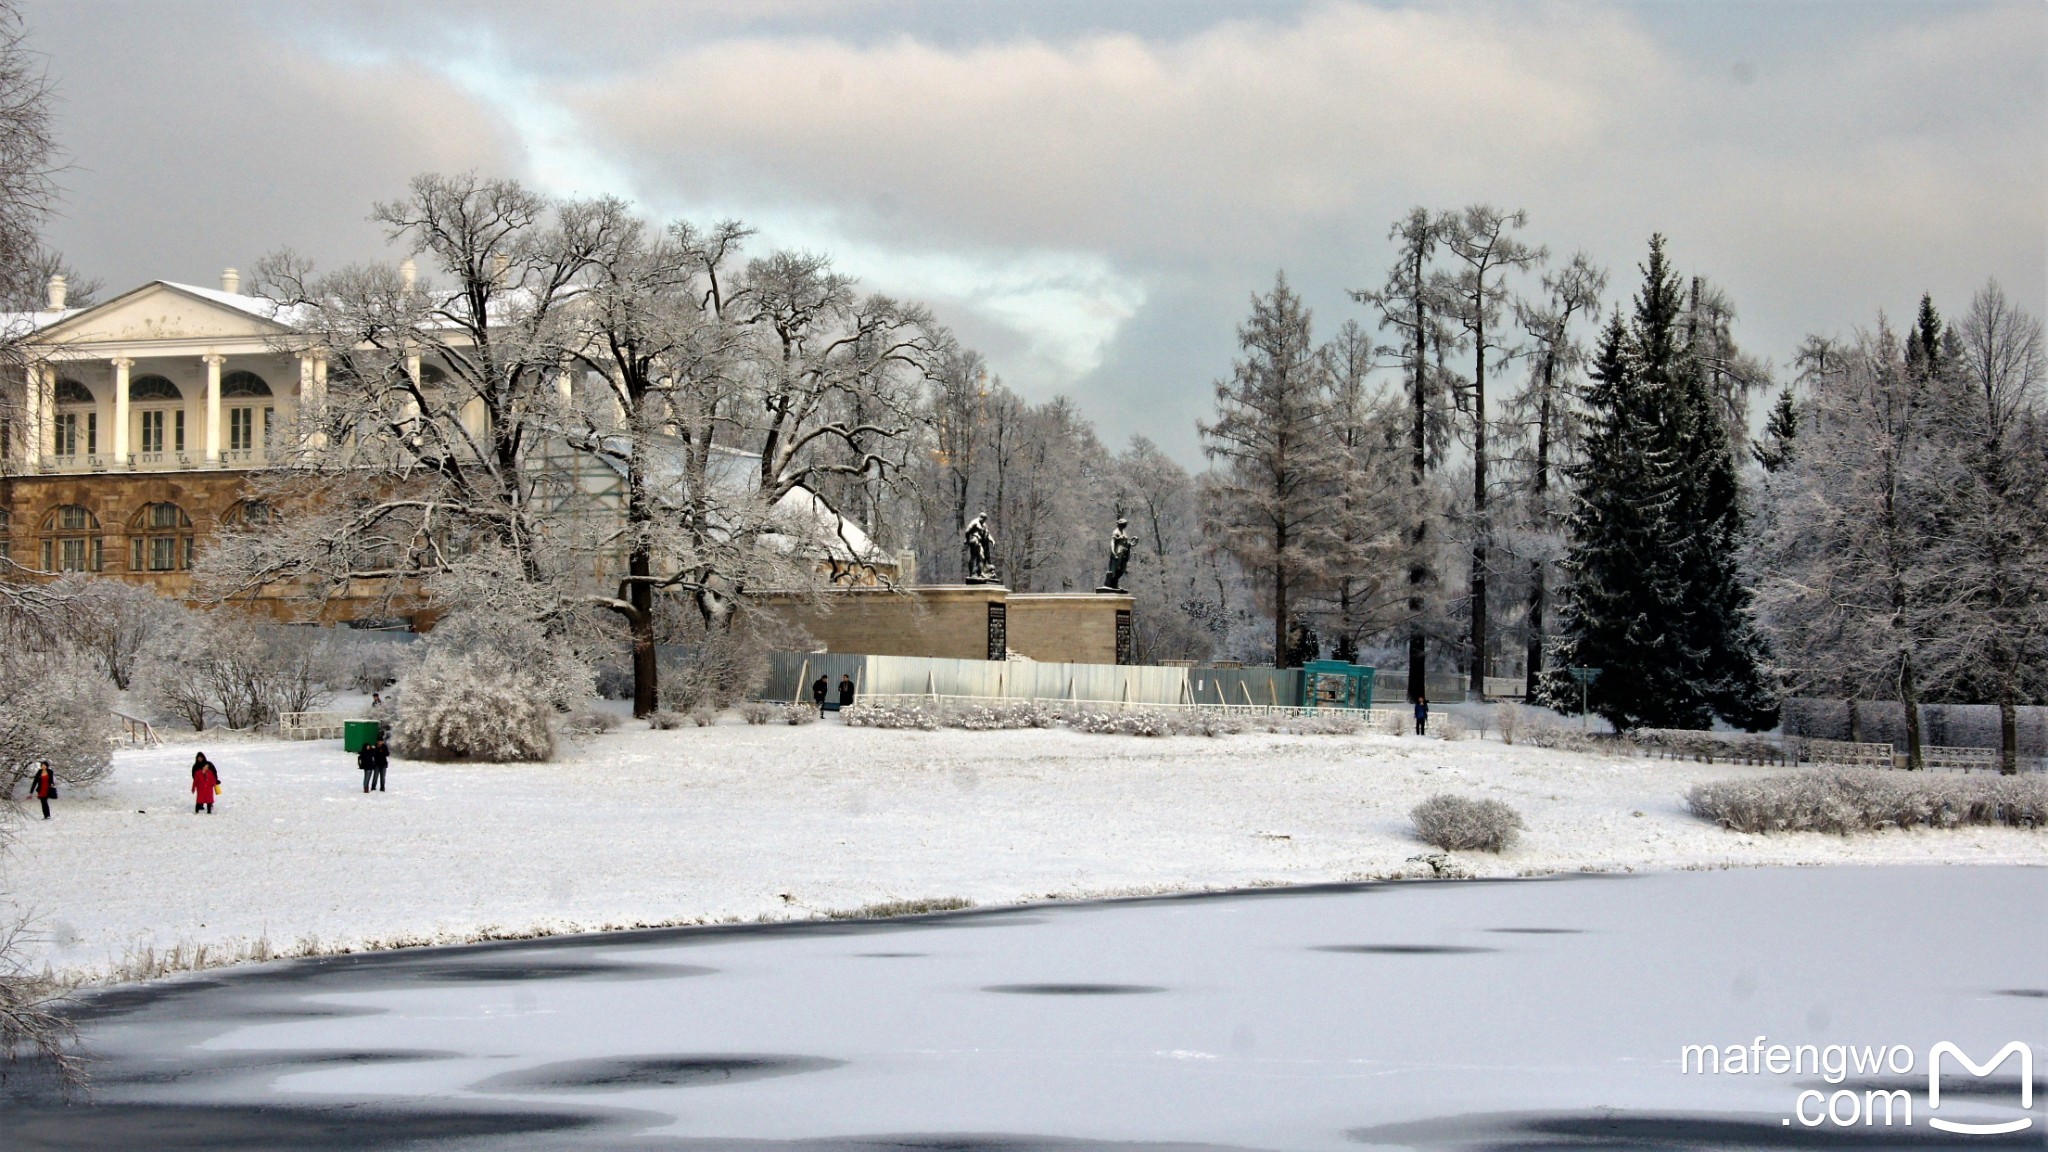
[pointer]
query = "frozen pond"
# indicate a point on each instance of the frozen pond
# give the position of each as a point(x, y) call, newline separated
point(1523, 1013)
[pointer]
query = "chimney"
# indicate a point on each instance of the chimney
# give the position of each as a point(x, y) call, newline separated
point(408, 274)
point(58, 290)
point(231, 282)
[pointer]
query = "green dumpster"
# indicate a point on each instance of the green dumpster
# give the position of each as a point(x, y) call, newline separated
point(357, 734)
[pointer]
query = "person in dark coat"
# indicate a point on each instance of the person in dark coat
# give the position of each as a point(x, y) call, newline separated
point(43, 786)
point(380, 759)
point(1422, 715)
point(205, 782)
point(199, 761)
point(846, 691)
point(366, 759)
point(818, 691)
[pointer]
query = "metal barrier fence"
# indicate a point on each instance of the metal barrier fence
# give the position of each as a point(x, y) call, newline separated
point(791, 675)
point(313, 725)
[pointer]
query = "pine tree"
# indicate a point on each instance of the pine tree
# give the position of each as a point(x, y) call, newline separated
point(1781, 432)
point(1657, 598)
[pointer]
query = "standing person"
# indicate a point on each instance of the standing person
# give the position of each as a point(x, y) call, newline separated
point(205, 782)
point(846, 691)
point(1422, 714)
point(818, 691)
point(199, 761)
point(366, 759)
point(380, 759)
point(43, 786)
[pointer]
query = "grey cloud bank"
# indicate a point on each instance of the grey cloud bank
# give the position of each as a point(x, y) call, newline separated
point(1090, 193)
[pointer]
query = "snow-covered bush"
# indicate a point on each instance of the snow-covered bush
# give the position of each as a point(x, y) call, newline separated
point(762, 712)
point(472, 706)
point(551, 666)
point(1539, 734)
point(864, 714)
point(590, 722)
point(1333, 722)
point(1867, 800)
point(799, 714)
point(113, 621)
point(1507, 716)
point(1689, 744)
point(56, 706)
point(1448, 726)
point(663, 720)
point(225, 664)
point(1458, 824)
point(714, 667)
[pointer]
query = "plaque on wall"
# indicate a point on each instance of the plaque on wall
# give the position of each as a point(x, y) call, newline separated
point(1126, 645)
point(998, 631)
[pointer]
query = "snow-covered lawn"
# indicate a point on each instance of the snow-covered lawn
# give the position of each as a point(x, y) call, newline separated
point(737, 822)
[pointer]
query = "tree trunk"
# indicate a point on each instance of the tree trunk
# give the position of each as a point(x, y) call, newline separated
point(1855, 722)
point(1280, 599)
point(1909, 696)
point(2008, 734)
point(1539, 573)
point(1418, 472)
point(1481, 530)
point(646, 669)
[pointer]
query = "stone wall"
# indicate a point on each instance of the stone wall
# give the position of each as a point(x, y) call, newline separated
point(952, 621)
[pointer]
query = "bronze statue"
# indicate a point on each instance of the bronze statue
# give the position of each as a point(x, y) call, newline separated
point(1119, 558)
point(981, 547)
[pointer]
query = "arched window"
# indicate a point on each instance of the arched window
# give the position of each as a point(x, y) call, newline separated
point(243, 384)
point(71, 540)
point(143, 389)
point(161, 418)
point(255, 514)
point(70, 391)
point(160, 539)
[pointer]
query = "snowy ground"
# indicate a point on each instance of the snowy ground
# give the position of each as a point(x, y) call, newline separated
point(1529, 1014)
point(738, 822)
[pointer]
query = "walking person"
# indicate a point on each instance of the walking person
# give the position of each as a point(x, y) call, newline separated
point(43, 786)
point(205, 785)
point(1422, 715)
point(846, 692)
point(818, 692)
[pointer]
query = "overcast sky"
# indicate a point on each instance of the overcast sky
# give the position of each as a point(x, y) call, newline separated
point(1090, 192)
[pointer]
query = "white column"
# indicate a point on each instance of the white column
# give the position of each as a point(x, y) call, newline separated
point(33, 437)
point(211, 433)
point(309, 405)
point(121, 366)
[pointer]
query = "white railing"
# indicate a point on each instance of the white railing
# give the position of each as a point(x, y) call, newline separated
point(313, 725)
point(138, 731)
point(1942, 759)
point(1506, 687)
point(1847, 752)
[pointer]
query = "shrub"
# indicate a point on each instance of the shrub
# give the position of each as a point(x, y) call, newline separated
point(1844, 801)
point(591, 722)
point(1457, 824)
point(762, 711)
point(663, 720)
point(1507, 716)
point(113, 621)
point(545, 662)
point(471, 706)
point(222, 664)
point(1448, 726)
point(56, 706)
point(799, 714)
point(717, 667)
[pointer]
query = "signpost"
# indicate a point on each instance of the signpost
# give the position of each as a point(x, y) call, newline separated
point(1585, 677)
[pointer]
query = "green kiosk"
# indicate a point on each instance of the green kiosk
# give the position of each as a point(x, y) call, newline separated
point(1336, 684)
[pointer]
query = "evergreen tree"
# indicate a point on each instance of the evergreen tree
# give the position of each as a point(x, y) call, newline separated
point(1656, 599)
point(1781, 430)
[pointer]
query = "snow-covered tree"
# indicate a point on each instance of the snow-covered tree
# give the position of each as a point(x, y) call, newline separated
point(1370, 499)
point(1482, 240)
point(1267, 504)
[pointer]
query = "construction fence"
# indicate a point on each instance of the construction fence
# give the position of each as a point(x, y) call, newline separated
point(792, 673)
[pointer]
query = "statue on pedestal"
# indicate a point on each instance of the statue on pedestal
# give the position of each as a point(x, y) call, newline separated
point(981, 547)
point(1119, 558)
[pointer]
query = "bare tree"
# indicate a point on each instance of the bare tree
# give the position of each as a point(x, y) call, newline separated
point(1481, 239)
point(1546, 418)
point(1410, 304)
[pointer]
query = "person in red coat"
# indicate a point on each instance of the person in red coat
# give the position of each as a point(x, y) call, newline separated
point(205, 781)
point(43, 786)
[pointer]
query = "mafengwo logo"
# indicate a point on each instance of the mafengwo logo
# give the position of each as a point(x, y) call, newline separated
point(1847, 1107)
